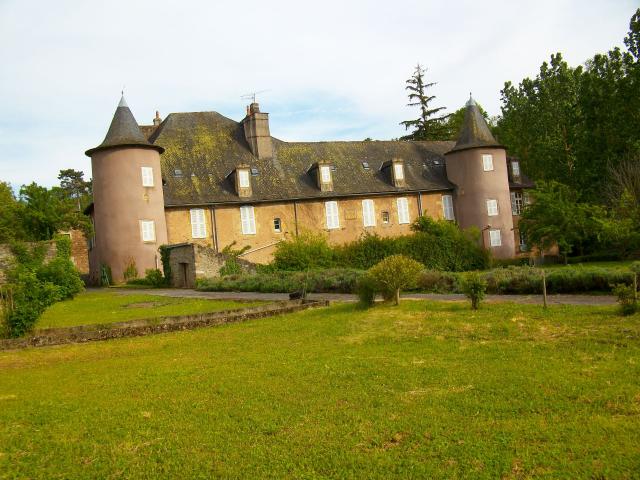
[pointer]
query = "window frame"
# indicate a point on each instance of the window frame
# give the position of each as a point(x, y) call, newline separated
point(398, 168)
point(152, 225)
point(325, 173)
point(277, 221)
point(404, 216)
point(386, 217)
point(198, 228)
point(515, 168)
point(368, 213)
point(487, 162)
point(447, 207)
point(517, 203)
point(491, 237)
point(491, 202)
point(147, 176)
point(244, 180)
point(332, 215)
point(248, 219)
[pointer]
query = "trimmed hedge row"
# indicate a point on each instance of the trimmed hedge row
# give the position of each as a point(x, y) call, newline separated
point(319, 281)
point(510, 280)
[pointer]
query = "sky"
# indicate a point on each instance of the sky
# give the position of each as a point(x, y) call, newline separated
point(330, 70)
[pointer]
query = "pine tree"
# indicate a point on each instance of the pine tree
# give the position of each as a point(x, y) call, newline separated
point(428, 126)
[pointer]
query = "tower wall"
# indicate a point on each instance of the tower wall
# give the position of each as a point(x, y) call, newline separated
point(120, 203)
point(474, 187)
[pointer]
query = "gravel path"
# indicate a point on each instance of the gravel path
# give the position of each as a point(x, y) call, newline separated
point(345, 297)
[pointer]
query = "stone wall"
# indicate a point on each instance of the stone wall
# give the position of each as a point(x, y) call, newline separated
point(193, 261)
point(7, 258)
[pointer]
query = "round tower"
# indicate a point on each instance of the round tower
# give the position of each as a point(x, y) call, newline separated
point(477, 165)
point(128, 203)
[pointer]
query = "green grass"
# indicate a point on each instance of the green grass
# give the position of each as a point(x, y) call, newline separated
point(426, 390)
point(110, 306)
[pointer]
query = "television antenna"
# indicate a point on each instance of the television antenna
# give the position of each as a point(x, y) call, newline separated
point(252, 96)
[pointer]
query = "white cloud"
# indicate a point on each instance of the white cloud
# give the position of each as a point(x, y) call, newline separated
point(334, 69)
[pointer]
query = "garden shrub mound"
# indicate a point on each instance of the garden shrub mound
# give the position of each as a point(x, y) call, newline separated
point(437, 244)
point(320, 281)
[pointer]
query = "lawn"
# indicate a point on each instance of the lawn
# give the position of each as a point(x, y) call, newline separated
point(424, 390)
point(110, 306)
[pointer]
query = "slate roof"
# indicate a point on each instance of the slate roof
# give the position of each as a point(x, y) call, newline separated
point(206, 147)
point(475, 131)
point(123, 132)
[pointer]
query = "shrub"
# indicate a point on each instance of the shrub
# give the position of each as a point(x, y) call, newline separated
point(366, 290)
point(436, 281)
point(474, 287)
point(62, 273)
point(514, 280)
point(304, 252)
point(366, 251)
point(130, 270)
point(626, 299)
point(231, 265)
point(154, 277)
point(393, 274)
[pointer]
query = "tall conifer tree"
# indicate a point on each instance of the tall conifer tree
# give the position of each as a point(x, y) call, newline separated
point(428, 126)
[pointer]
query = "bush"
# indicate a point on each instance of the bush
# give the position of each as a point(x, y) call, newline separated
point(62, 273)
point(318, 281)
point(626, 299)
point(366, 290)
point(435, 281)
point(130, 270)
point(365, 252)
point(474, 287)
point(304, 252)
point(393, 274)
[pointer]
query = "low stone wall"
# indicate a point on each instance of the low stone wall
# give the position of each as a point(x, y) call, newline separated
point(7, 258)
point(149, 326)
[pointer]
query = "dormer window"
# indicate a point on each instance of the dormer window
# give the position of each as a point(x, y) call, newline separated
point(397, 169)
point(325, 177)
point(243, 181)
point(515, 168)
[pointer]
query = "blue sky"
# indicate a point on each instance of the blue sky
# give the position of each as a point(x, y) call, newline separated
point(333, 70)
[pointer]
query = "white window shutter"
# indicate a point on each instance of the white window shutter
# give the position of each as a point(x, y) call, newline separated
point(368, 213)
point(398, 170)
point(331, 212)
point(447, 207)
point(147, 176)
point(403, 210)
point(492, 208)
point(148, 230)
point(247, 219)
point(198, 223)
point(243, 178)
point(495, 238)
point(487, 162)
point(325, 174)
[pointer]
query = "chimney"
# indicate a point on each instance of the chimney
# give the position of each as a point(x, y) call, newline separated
point(157, 121)
point(256, 131)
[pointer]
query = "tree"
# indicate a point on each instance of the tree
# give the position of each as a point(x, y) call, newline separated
point(72, 182)
point(47, 211)
point(10, 223)
point(428, 126)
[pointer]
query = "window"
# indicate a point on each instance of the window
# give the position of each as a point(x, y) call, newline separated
point(148, 230)
point(525, 198)
point(495, 238)
point(447, 207)
point(325, 174)
point(368, 213)
point(487, 162)
point(198, 223)
point(398, 171)
point(385, 217)
point(365, 165)
point(243, 179)
point(523, 241)
point(403, 210)
point(331, 211)
point(515, 168)
point(254, 172)
point(277, 225)
point(517, 201)
point(177, 173)
point(492, 208)
point(147, 176)
point(248, 220)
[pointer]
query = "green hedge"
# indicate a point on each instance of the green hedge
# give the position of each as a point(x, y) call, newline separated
point(321, 281)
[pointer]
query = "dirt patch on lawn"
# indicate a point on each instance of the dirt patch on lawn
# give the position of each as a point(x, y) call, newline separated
point(145, 305)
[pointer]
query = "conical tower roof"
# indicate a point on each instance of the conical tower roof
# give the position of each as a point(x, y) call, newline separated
point(123, 132)
point(475, 131)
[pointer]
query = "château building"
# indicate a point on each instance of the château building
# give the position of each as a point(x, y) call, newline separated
point(202, 178)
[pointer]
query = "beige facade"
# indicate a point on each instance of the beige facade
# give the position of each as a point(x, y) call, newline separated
point(298, 217)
